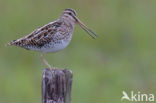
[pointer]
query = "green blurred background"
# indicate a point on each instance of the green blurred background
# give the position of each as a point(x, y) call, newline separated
point(123, 57)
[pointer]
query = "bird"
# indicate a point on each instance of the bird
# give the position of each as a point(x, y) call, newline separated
point(52, 37)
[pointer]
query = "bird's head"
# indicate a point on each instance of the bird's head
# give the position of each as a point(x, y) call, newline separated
point(71, 15)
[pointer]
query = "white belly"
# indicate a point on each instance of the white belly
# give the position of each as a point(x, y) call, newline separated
point(52, 47)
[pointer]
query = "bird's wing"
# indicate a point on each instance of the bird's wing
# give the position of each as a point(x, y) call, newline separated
point(39, 36)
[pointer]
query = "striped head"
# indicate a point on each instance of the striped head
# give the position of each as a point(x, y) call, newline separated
point(71, 15)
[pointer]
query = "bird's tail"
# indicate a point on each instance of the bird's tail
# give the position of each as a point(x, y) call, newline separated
point(8, 44)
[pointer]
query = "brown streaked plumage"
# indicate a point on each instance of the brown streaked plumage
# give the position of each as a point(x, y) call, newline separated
point(53, 36)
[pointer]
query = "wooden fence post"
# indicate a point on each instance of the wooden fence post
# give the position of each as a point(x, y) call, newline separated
point(56, 86)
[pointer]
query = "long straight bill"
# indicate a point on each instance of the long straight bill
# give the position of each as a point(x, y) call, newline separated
point(85, 28)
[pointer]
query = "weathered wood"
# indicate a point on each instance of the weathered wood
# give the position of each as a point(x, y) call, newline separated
point(56, 86)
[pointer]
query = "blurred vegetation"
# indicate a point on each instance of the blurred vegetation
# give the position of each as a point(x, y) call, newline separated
point(123, 57)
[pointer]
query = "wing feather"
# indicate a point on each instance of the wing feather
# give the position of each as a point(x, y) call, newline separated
point(38, 37)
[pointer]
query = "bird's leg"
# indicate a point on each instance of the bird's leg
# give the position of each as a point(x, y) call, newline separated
point(45, 62)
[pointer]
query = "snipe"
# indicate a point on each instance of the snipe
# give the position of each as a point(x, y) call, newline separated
point(53, 36)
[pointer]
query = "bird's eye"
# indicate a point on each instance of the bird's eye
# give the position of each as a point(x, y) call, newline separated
point(70, 13)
